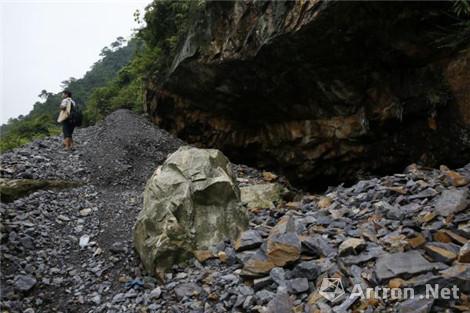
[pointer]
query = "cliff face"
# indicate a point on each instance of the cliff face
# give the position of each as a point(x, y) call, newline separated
point(319, 90)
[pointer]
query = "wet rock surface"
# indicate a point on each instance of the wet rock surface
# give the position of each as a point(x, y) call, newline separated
point(70, 250)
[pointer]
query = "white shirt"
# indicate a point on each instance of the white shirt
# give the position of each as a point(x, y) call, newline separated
point(65, 102)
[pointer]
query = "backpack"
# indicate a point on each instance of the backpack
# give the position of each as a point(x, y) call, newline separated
point(76, 115)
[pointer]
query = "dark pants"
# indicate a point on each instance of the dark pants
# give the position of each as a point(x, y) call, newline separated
point(67, 128)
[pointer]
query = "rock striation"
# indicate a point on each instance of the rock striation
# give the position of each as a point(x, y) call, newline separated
point(320, 91)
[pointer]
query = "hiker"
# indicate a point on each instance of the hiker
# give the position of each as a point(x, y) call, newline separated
point(66, 107)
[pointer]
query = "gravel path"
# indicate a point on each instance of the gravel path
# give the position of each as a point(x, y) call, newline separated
point(44, 268)
point(41, 232)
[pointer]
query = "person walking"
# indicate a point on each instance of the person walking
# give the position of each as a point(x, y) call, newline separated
point(66, 107)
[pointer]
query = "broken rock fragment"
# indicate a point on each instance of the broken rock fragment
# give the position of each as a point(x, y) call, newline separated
point(262, 196)
point(283, 248)
point(416, 305)
point(442, 252)
point(316, 245)
point(283, 244)
point(187, 290)
point(308, 269)
point(297, 285)
point(24, 282)
point(250, 239)
point(451, 201)
point(396, 264)
point(453, 177)
point(464, 254)
point(256, 264)
point(458, 274)
point(351, 246)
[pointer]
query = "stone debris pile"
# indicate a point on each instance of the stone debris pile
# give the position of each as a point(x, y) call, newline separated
point(400, 231)
point(345, 251)
point(71, 250)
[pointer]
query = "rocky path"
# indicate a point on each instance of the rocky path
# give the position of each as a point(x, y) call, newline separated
point(71, 250)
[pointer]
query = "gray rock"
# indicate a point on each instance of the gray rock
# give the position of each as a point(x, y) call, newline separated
point(96, 299)
point(248, 302)
point(281, 303)
point(427, 193)
point(351, 246)
point(24, 282)
point(245, 290)
point(155, 293)
point(260, 283)
point(231, 256)
point(118, 247)
point(392, 265)
point(230, 278)
point(390, 211)
point(120, 297)
point(346, 304)
point(264, 296)
point(451, 201)
point(416, 305)
point(278, 275)
point(442, 252)
point(249, 239)
point(324, 308)
point(365, 256)
point(464, 253)
point(458, 274)
point(187, 290)
point(307, 269)
point(317, 245)
point(297, 285)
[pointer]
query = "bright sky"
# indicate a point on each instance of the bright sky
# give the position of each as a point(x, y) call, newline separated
point(43, 42)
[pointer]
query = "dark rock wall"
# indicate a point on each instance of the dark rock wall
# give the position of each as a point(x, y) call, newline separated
point(321, 91)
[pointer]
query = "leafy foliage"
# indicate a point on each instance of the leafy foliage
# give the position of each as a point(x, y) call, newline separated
point(461, 7)
point(166, 22)
point(456, 35)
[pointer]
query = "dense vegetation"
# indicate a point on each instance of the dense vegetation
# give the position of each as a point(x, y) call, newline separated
point(165, 21)
point(117, 80)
